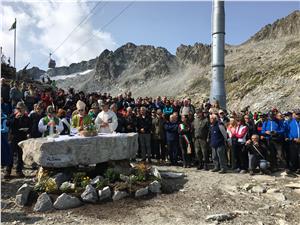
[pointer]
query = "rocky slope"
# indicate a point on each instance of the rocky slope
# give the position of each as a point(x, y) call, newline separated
point(262, 72)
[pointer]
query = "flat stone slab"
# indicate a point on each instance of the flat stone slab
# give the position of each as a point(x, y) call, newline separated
point(67, 151)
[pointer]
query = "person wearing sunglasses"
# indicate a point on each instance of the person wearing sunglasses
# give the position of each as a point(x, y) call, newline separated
point(81, 119)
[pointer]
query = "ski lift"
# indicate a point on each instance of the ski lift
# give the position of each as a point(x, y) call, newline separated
point(52, 62)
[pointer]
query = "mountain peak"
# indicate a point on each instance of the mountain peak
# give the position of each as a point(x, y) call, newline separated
point(286, 26)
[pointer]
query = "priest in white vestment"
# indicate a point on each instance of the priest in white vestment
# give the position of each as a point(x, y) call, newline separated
point(106, 121)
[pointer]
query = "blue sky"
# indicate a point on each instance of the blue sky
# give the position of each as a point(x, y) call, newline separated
point(44, 25)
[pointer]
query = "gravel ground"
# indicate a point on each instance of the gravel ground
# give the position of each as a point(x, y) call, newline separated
point(199, 194)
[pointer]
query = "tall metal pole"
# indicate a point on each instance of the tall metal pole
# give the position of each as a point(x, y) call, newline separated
point(217, 91)
point(15, 44)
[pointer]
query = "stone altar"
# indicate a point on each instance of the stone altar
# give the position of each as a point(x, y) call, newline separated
point(68, 151)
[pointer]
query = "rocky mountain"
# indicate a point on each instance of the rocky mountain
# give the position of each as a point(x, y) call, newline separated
point(287, 26)
point(33, 73)
point(262, 72)
point(73, 68)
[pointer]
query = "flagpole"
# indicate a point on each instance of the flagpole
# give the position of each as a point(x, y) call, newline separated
point(15, 44)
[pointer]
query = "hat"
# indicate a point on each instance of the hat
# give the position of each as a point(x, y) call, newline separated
point(21, 105)
point(50, 109)
point(95, 106)
point(80, 105)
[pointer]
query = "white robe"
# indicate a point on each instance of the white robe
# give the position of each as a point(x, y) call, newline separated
point(106, 117)
point(43, 128)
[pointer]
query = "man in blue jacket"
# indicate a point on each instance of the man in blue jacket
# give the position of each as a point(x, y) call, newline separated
point(218, 136)
point(273, 132)
point(172, 138)
point(294, 136)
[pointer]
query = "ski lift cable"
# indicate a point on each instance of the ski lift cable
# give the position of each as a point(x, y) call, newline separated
point(84, 20)
point(103, 27)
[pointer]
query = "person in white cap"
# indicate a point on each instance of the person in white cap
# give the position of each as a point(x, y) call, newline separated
point(106, 121)
point(81, 119)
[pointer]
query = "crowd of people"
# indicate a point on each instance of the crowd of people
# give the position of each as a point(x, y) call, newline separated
point(170, 130)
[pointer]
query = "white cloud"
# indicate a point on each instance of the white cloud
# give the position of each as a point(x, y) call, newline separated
point(42, 27)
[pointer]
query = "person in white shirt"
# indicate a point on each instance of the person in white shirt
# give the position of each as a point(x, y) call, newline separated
point(106, 121)
point(51, 120)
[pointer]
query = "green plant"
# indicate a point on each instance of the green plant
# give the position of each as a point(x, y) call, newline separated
point(111, 175)
point(102, 183)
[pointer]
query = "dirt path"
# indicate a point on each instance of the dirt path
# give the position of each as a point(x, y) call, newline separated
point(198, 195)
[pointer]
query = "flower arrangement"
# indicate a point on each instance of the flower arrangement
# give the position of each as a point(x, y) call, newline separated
point(89, 130)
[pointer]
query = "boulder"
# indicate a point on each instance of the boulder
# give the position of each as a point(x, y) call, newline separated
point(105, 193)
point(63, 151)
point(65, 201)
point(23, 194)
point(96, 180)
point(119, 195)
point(154, 187)
point(43, 203)
point(61, 178)
point(141, 192)
point(90, 194)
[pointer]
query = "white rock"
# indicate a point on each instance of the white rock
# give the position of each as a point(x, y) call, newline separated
point(141, 192)
point(67, 186)
point(293, 185)
point(155, 187)
point(247, 187)
point(282, 222)
point(64, 151)
point(23, 194)
point(65, 201)
point(60, 178)
point(273, 190)
point(155, 172)
point(90, 194)
point(105, 193)
point(258, 189)
point(43, 203)
point(119, 195)
point(96, 180)
point(277, 196)
point(124, 178)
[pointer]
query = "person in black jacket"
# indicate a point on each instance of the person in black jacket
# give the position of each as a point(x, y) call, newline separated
point(19, 127)
point(130, 121)
point(35, 117)
point(144, 124)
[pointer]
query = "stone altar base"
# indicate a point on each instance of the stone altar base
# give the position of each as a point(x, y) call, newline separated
point(68, 151)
